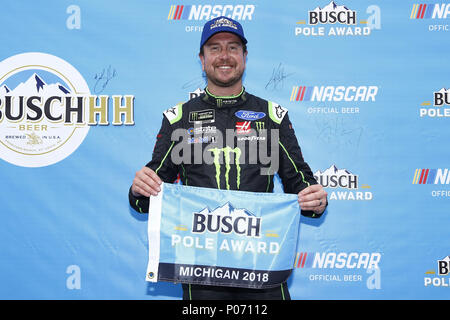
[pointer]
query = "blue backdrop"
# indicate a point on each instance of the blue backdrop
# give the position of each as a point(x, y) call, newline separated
point(366, 84)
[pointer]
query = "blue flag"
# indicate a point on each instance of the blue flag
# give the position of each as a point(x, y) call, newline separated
point(221, 237)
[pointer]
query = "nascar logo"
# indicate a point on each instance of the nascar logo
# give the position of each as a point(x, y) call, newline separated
point(341, 260)
point(301, 93)
point(334, 93)
point(431, 176)
point(430, 11)
point(207, 12)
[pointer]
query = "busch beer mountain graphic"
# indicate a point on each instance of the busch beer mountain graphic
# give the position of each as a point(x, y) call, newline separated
point(227, 210)
point(336, 178)
point(35, 86)
point(332, 6)
point(4, 90)
point(331, 14)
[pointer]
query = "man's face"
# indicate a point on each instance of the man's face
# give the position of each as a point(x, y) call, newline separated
point(223, 59)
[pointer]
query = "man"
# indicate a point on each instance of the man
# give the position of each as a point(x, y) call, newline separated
point(226, 105)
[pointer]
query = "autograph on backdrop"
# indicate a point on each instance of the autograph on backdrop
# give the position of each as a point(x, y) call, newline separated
point(103, 78)
point(276, 81)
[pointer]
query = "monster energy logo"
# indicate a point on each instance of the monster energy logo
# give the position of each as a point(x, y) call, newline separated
point(226, 153)
point(193, 116)
point(259, 125)
point(204, 116)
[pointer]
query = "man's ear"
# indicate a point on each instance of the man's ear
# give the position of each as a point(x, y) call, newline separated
point(202, 59)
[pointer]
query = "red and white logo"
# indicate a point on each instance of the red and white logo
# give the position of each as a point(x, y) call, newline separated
point(243, 127)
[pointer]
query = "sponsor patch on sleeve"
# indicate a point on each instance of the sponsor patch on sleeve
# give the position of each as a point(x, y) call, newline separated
point(276, 112)
point(174, 114)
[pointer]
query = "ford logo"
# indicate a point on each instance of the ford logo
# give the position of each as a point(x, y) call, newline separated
point(249, 115)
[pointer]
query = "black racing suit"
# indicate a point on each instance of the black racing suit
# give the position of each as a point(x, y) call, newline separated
point(233, 161)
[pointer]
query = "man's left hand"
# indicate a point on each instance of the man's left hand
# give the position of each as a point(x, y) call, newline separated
point(313, 198)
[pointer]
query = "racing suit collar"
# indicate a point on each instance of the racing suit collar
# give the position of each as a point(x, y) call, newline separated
point(227, 101)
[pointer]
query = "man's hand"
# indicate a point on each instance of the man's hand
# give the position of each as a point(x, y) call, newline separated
point(313, 198)
point(146, 182)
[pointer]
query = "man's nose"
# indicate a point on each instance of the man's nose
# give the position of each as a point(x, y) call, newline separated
point(224, 54)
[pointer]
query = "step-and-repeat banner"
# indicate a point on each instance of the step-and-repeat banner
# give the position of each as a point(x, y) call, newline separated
point(83, 85)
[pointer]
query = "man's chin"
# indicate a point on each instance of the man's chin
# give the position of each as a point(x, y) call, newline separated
point(225, 83)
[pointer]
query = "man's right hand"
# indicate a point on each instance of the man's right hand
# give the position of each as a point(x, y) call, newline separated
point(146, 182)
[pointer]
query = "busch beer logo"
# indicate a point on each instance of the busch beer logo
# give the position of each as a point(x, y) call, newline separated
point(440, 107)
point(444, 266)
point(332, 13)
point(342, 179)
point(46, 109)
point(338, 21)
point(441, 279)
point(227, 220)
point(442, 97)
point(337, 178)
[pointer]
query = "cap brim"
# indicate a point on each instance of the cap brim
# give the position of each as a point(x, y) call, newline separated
point(244, 41)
